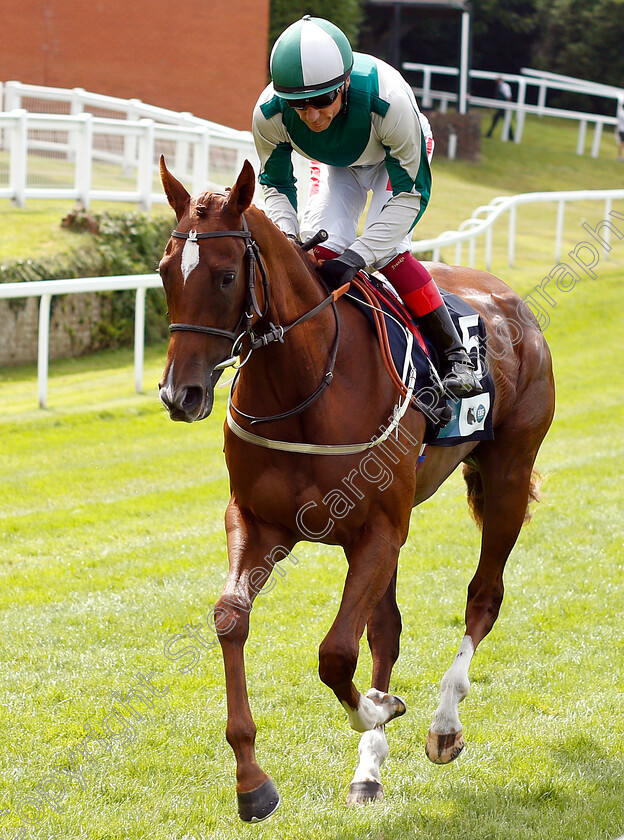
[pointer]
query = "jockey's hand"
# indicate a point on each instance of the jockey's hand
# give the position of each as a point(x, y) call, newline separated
point(342, 269)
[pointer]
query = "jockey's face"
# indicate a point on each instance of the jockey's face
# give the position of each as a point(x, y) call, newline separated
point(318, 119)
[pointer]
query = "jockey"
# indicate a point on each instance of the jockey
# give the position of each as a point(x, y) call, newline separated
point(358, 117)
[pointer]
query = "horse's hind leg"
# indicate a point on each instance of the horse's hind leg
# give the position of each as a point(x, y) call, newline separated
point(505, 469)
point(383, 630)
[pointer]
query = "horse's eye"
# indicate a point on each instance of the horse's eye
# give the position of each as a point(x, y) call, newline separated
point(229, 278)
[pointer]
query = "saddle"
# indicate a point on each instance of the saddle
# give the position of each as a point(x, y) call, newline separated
point(449, 420)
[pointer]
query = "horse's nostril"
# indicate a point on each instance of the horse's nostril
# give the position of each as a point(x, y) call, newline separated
point(192, 398)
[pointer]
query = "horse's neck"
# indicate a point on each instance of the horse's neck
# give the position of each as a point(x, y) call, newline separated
point(293, 287)
point(293, 291)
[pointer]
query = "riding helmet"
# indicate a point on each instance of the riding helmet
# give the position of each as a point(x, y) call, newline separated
point(311, 57)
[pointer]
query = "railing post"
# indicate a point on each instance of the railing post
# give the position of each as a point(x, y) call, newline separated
point(488, 248)
point(139, 338)
point(84, 159)
point(43, 350)
point(130, 140)
point(76, 107)
point(597, 138)
point(18, 160)
point(580, 143)
point(541, 98)
point(12, 96)
point(146, 163)
point(426, 97)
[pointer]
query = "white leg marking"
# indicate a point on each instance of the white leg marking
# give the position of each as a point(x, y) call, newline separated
point(373, 751)
point(454, 687)
point(373, 710)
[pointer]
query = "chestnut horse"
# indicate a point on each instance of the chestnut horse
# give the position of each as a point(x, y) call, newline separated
point(306, 469)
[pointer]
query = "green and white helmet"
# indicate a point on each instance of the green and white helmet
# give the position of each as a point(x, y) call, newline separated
point(310, 58)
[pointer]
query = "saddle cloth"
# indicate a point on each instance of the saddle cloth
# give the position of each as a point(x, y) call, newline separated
point(471, 417)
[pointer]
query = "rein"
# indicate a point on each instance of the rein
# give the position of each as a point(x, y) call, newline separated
point(277, 333)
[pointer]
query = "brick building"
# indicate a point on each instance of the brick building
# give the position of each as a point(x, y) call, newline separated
point(208, 58)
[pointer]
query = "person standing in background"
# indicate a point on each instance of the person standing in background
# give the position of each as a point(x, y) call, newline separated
point(503, 92)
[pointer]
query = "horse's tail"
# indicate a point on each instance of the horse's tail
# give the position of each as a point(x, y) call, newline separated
point(474, 492)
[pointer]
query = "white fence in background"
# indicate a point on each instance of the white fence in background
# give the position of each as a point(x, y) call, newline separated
point(480, 224)
point(72, 144)
point(46, 289)
point(541, 82)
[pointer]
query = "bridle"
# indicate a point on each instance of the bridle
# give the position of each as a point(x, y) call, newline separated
point(277, 333)
point(252, 252)
point(251, 307)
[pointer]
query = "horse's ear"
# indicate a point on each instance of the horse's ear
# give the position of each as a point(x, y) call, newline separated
point(176, 193)
point(241, 194)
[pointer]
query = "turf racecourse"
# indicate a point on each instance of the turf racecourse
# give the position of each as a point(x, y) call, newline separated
point(112, 543)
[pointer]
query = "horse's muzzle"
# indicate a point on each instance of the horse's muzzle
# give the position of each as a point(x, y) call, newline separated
point(188, 403)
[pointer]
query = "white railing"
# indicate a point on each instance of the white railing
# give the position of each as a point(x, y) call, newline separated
point(108, 149)
point(542, 82)
point(480, 224)
point(46, 289)
point(16, 95)
point(73, 146)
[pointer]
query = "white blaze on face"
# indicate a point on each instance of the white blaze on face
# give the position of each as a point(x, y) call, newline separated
point(190, 255)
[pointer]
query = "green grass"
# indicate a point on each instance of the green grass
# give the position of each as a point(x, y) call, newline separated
point(111, 540)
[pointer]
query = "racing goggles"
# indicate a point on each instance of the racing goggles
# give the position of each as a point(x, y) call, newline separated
point(324, 100)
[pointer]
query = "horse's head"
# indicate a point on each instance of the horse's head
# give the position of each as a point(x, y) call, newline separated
point(204, 272)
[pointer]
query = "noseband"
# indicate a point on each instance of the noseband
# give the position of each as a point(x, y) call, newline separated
point(251, 305)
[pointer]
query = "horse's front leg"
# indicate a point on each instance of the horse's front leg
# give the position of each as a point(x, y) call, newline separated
point(372, 563)
point(253, 550)
point(383, 631)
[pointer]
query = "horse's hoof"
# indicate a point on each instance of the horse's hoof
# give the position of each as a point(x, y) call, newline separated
point(360, 793)
point(394, 705)
point(256, 805)
point(442, 749)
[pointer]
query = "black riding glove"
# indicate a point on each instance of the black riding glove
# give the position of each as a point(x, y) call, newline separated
point(341, 269)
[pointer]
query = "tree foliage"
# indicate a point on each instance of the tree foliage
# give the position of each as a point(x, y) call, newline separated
point(347, 15)
point(582, 38)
